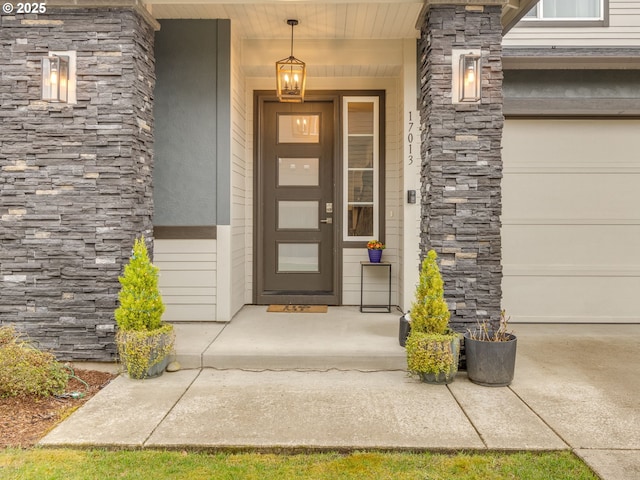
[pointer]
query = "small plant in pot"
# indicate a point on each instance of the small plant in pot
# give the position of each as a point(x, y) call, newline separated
point(491, 354)
point(432, 347)
point(144, 342)
point(374, 249)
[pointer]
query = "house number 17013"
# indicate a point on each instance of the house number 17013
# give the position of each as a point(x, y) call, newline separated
point(412, 135)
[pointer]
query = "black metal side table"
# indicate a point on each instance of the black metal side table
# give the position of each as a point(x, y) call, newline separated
point(387, 307)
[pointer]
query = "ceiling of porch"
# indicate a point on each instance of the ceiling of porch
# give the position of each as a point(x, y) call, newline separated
point(328, 19)
point(337, 38)
point(324, 19)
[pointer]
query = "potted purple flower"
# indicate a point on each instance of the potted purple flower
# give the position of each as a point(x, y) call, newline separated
point(374, 248)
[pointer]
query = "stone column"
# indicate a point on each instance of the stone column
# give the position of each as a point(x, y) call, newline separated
point(75, 178)
point(461, 158)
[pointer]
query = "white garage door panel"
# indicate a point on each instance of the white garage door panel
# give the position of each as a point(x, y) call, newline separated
point(571, 142)
point(571, 220)
point(571, 197)
point(572, 299)
point(572, 246)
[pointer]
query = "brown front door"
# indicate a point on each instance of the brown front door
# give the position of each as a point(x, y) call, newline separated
point(296, 254)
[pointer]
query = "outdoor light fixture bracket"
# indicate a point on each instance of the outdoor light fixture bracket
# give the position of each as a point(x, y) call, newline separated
point(55, 78)
point(291, 75)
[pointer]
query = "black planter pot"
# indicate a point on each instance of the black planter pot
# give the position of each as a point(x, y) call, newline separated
point(491, 364)
point(405, 330)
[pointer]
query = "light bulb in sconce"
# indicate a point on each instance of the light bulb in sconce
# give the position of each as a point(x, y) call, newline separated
point(55, 75)
point(470, 75)
point(469, 79)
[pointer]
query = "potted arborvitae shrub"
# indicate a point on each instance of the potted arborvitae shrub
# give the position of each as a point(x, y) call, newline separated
point(491, 354)
point(432, 347)
point(144, 342)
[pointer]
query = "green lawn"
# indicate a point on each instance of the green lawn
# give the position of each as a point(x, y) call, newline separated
point(45, 464)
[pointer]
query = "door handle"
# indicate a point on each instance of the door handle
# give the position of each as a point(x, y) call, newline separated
point(327, 220)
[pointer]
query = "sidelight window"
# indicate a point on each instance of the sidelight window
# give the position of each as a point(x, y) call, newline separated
point(361, 140)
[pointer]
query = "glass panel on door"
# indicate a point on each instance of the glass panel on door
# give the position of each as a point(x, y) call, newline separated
point(298, 257)
point(298, 172)
point(298, 128)
point(299, 215)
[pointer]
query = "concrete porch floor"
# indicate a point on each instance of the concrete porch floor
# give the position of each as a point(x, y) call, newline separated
point(343, 338)
point(337, 381)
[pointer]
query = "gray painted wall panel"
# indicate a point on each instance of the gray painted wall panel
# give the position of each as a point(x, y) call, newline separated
point(572, 83)
point(572, 92)
point(190, 108)
point(224, 123)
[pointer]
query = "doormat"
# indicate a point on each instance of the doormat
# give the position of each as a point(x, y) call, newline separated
point(298, 308)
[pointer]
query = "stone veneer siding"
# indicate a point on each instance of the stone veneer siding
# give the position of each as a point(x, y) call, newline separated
point(462, 163)
point(75, 180)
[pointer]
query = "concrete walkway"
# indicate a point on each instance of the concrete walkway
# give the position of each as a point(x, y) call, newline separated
point(336, 381)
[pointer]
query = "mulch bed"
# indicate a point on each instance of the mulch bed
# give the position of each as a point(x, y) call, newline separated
point(25, 420)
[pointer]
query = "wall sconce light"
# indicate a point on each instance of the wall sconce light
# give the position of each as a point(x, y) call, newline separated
point(291, 75)
point(469, 82)
point(55, 78)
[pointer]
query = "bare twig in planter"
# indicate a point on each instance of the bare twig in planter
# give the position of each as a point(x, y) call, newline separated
point(484, 333)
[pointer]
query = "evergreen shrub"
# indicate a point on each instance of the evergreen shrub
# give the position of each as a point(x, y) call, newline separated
point(141, 305)
point(432, 347)
point(429, 311)
point(26, 370)
point(144, 341)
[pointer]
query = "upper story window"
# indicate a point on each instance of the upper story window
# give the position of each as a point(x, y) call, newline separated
point(570, 11)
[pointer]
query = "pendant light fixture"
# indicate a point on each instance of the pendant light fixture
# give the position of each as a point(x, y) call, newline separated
point(291, 75)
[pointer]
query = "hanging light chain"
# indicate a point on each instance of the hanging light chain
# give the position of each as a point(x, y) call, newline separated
point(293, 23)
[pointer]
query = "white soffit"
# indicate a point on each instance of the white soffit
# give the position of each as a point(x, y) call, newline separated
point(328, 19)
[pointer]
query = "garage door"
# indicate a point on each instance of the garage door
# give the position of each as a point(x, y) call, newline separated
point(571, 220)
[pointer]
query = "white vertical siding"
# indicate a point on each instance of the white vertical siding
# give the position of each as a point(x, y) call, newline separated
point(409, 257)
point(393, 184)
point(251, 85)
point(238, 176)
point(187, 278)
point(407, 224)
